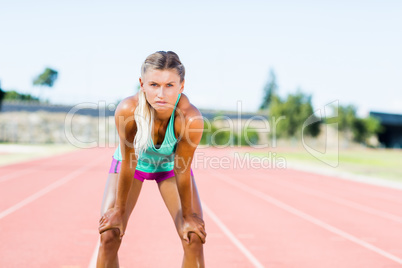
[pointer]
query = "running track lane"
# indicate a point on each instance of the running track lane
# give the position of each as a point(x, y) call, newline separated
point(254, 218)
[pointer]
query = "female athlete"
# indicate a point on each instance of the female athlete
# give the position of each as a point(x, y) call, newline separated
point(159, 131)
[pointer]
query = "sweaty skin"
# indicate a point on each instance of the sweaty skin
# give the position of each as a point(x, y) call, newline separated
point(179, 193)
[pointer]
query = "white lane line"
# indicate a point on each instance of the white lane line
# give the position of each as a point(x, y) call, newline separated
point(372, 194)
point(47, 189)
point(220, 224)
point(349, 176)
point(306, 216)
point(342, 201)
point(92, 263)
point(231, 236)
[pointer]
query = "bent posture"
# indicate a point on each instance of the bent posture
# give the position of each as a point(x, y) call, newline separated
point(159, 131)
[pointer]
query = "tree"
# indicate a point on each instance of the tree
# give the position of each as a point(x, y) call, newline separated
point(355, 128)
point(14, 95)
point(296, 109)
point(346, 117)
point(364, 128)
point(270, 90)
point(47, 78)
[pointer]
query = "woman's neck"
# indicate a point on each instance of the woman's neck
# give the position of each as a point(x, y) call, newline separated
point(162, 117)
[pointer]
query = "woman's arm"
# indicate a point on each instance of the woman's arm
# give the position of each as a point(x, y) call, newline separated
point(188, 141)
point(126, 127)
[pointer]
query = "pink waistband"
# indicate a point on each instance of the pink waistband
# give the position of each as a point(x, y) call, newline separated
point(142, 175)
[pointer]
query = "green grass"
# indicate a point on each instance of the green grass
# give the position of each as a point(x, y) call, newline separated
point(379, 163)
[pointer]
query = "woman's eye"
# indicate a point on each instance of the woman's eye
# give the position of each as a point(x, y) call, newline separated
point(170, 85)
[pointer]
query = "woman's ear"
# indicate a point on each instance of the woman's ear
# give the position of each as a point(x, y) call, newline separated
point(141, 84)
point(182, 86)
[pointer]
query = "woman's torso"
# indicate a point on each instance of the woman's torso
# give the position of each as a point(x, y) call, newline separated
point(158, 158)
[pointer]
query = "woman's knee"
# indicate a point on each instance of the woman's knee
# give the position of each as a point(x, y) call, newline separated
point(110, 239)
point(195, 244)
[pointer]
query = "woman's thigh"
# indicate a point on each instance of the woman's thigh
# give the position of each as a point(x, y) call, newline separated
point(170, 195)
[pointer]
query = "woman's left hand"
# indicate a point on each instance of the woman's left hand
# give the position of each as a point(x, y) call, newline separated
point(193, 224)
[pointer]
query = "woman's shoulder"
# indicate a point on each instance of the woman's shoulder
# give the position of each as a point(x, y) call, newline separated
point(187, 115)
point(126, 107)
point(186, 109)
point(124, 117)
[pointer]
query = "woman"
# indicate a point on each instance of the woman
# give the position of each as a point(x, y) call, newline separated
point(159, 130)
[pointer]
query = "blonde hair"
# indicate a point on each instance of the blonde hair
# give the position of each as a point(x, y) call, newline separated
point(144, 113)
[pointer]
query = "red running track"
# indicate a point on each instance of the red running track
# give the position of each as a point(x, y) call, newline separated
point(255, 217)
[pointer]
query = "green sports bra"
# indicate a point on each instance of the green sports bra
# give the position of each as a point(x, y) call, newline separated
point(157, 159)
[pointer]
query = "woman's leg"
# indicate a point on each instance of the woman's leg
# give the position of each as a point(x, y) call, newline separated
point(194, 252)
point(110, 240)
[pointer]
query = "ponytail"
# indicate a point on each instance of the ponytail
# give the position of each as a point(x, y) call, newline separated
point(144, 117)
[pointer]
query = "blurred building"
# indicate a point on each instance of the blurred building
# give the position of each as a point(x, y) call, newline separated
point(391, 137)
point(2, 94)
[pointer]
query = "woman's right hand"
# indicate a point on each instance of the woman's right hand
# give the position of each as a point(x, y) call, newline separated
point(113, 218)
point(193, 224)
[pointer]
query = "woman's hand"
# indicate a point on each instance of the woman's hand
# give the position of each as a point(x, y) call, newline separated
point(193, 224)
point(113, 218)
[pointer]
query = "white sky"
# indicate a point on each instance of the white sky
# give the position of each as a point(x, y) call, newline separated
point(336, 50)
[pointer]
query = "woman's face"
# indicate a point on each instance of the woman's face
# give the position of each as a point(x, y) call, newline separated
point(161, 88)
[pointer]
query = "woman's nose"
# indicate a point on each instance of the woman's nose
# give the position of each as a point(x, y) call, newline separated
point(161, 92)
